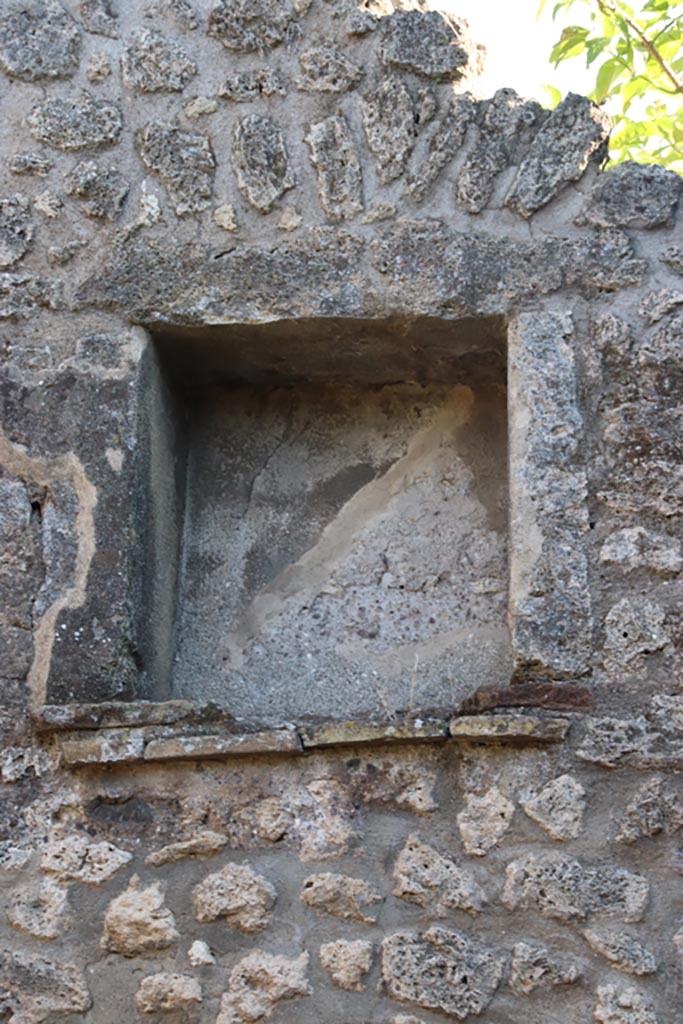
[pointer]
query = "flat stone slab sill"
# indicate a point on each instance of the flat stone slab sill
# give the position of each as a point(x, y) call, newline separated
point(157, 740)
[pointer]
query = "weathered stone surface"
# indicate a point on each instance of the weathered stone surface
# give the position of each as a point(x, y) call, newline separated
point(16, 229)
point(163, 993)
point(249, 25)
point(203, 844)
point(424, 876)
point(430, 43)
point(335, 159)
point(634, 547)
point(634, 629)
point(243, 86)
point(183, 160)
point(654, 808)
point(261, 162)
point(535, 966)
point(622, 950)
point(22, 294)
point(153, 63)
point(30, 163)
point(102, 189)
point(613, 742)
point(38, 40)
point(558, 807)
point(199, 954)
point(98, 69)
point(98, 17)
point(484, 820)
point(514, 728)
point(36, 987)
point(444, 144)
point(238, 895)
point(633, 195)
point(339, 733)
point(258, 983)
point(138, 921)
point(40, 908)
point(532, 694)
point(339, 895)
point(347, 962)
point(673, 257)
point(441, 969)
point(389, 122)
point(575, 133)
point(658, 304)
point(326, 68)
point(561, 887)
point(72, 125)
point(200, 106)
point(190, 748)
point(623, 1006)
point(75, 858)
point(108, 746)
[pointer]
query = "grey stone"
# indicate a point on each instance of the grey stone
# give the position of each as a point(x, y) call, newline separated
point(623, 1006)
point(389, 122)
point(659, 304)
point(326, 68)
point(440, 969)
point(98, 17)
point(21, 295)
point(634, 547)
point(444, 144)
point(562, 888)
point(261, 162)
point(339, 895)
point(534, 966)
point(38, 40)
point(183, 160)
point(622, 950)
point(39, 987)
point(183, 14)
point(558, 807)
point(167, 993)
point(424, 876)
point(243, 86)
point(248, 25)
point(574, 134)
point(673, 257)
point(16, 229)
point(484, 821)
point(633, 195)
point(102, 189)
point(430, 43)
point(153, 63)
point(634, 629)
point(335, 159)
point(40, 908)
point(259, 982)
point(654, 808)
point(30, 163)
point(237, 895)
point(73, 125)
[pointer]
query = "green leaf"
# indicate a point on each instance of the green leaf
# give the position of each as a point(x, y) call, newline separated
point(554, 96)
point(607, 75)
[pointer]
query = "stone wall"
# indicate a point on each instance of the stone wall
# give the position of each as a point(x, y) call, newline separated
point(183, 170)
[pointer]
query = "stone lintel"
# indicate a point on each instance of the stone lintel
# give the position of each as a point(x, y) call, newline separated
point(509, 728)
point(187, 748)
point(335, 734)
point(125, 714)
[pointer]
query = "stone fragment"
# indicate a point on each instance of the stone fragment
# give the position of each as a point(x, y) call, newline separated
point(324, 820)
point(335, 159)
point(189, 748)
point(253, 25)
point(22, 294)
point(236, 894)
point(444, 144)
point(225, 217)
point(484, 821)
point(107, 746)
point(378, 212)
point(201, 106)
point(558, 807)
point(534, 966)
point(153, 63)
point(30, 163)
point(634, 547)
point(634, 628)
point(38, 40)
point(389, 122)
point(441, 969)
point(574, 134)
point(339, 895)
point(200, 955)
point(347, 962)
point(242, 86)
point(72, 125)
point(404, 1018)
point(137, 921)
point(659, 304)
point(23, 762)
point(164, 993)
point(290, 219)
point(261, 162)
point(424, 876)
point(326, 68)
point(622, 950)
point(75, 858)
point(673, 257)
point(623, 1006)
point(258, 983)
point(633, 195)
point(203, 844)
point(37, 988)
point(102, 189)
point(48, 204)
point(99, 68)
point(531, 694)
point(561, 887)
point(430, 43)
point(98, 17)
point(614, 741)
point(654, 809)
point(40, 908)
point(16, 229)
point(511, 728)
point(183, 160)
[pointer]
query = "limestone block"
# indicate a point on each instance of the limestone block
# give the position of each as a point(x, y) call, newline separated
point(623, 1006)
point(199, 954)
point(558, 807)
point(622, 950)
point(153, 63)
point(633, 195)
point(38, 40)
point(183, 160)
point(339, 895)
point(30, 163)
point(236, 894)
point(444, 144)
point(326, 68)
point(98, 17)
point(163, 993)
point(634, 628)
point(203, 844)
point(99, 68)
point(258, 983)
point(660, 303)
point(22, 294)
point(261, 162)
point(347, 962)
point(334, 156)
point(40, 987)
point(253, 25)
point(444, 970)
point(561, 887)
point(40, 908)
point(137, 921)
point(484, 820)
point(654, 808)
point(74, 858)
point(424, 876)
point(534, 966)
point(243, 86)
point(634, 547)
point(430, 43)
point(102, 189)
point(389, 121)
point(16, 229)
point(71, 125)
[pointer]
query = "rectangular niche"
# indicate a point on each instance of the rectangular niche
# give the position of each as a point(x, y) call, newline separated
point(323, 511)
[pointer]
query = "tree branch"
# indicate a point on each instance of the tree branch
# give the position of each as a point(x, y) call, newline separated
point(607, 8)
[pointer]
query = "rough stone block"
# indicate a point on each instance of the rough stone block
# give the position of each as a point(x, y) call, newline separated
point(510, 728)
point(237, 895)
point(424, 876)
point(183, 160)
point(261, 162)
point(430, 43)
point(335, 158)
point(38, 40)
point(634, 196)
point(73, 125)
